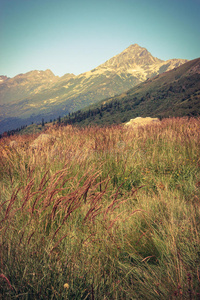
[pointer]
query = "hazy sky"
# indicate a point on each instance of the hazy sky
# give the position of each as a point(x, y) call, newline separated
point(74, 36)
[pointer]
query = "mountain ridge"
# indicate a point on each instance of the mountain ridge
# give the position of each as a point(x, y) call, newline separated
point(135, 60)
point(41, 94)
point(173, 93)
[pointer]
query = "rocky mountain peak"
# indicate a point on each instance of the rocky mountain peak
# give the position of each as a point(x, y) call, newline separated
point(134, 48)
point(39, 74)
point(132, 57)
point(3, 79)
point(135, 63)
point(140, 55)
point(32, 77)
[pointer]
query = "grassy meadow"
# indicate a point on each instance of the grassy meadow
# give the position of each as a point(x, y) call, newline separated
point(102, 213)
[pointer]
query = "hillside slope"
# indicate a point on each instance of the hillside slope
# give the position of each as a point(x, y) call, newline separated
point(173, 93)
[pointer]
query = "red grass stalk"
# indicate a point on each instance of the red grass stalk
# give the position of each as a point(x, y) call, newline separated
point(4, 203)
point(60, 240)
point(112, 222)
point(43, 181)
point(28, 192)
point(12, 200)
point(70, 210)
point(148, 257)
point(143, 234)
point(21, 237)
point(54, 189)
point(55, 208)
point(7, 280)
point(91, 212)
point(37, 199)
point(30, 237)
point(94, 211)
point(135, 191)
point(110, 206)
point(56, 232)
point(86, 192)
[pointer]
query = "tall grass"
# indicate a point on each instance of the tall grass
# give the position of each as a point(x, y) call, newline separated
point(102, 213)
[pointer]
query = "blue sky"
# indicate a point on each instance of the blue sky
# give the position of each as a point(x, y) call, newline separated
point(78, 35)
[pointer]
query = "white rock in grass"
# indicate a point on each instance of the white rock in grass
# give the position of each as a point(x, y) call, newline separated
point(139, 121)
point(42, 140)
point(13, 144)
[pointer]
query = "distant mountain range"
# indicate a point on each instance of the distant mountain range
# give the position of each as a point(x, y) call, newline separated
point(35, 95)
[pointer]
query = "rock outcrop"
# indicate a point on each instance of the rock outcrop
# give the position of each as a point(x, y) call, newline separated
point(43, 140)
point(141, 121)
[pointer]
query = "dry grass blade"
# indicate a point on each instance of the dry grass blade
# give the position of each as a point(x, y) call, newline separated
point(27, 192)
point(55, 233)
point(91, 212)
point(133, 191)
point(11, 202)
point(44, 180)
point(7, 280)
point(60, 240)
point(148, 257)
point(30, 237)
point(132, 213)
point(112, 222)
point(37, 199)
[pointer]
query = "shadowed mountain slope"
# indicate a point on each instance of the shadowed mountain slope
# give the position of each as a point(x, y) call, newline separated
point(173, 93)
